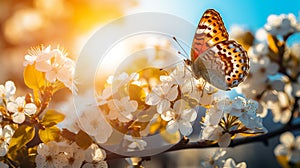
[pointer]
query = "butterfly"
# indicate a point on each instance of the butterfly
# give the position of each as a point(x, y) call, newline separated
point(221, 62)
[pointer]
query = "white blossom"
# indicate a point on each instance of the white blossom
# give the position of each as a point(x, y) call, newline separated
point(181, 118)
point(97, 126)
point(40, 56)
point(161, 95)
point(19, 108)
point(75, 155)
point(216, 133)
point(217, 160)
point(244, 109)
point(289, 147)
point(5, 135)
point(7, 91)
point(135, 143)
point(94, 154)
point(3, 165)
point(122, 109)
point(230, 163)
point(49, 155)
point(215, 113)
point(179, 76)
point(281, 108)
point(282, 24)
point(114, 83)
point(55, 64)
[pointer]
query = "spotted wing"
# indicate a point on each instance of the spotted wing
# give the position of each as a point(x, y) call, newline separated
point(225, 65)
point(210, 31)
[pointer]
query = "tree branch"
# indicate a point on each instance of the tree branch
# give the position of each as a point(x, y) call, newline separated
point(184, 144)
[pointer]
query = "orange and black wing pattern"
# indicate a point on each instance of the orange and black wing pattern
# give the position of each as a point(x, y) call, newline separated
point(210, 31)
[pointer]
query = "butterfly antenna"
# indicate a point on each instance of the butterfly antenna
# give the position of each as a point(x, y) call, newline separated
point(170, 65)
point(186, 54)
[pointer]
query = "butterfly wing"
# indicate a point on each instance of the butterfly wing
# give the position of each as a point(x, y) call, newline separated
point(224, 65)
point(210, 31)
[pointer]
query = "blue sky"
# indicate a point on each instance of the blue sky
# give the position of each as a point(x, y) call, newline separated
point(249, 13)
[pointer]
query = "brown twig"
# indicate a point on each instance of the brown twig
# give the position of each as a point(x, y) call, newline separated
point(206, 144)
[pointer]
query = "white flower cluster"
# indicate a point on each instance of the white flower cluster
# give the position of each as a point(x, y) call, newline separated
point(262, 86)
point(218, 160)
point(62, 154)
point(226, 117)
point(289, 147)
point(135, 143)
point(94, 124)
point(87, 117)
point(17, 108)
point(174, 97)
point(164, 97)
point(282, 24)
point(54, 63)
point(6, 133)
point(179, 109)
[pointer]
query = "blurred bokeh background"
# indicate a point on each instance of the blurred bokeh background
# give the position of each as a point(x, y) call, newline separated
point(70, 23)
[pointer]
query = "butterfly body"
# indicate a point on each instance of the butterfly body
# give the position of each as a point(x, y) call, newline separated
point(221, 62)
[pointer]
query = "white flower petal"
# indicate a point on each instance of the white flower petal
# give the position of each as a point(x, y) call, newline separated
point(287, 138)
point(172, 94)
point(20, 101)
point(51, 76)
point(281, 150)
point(189, 115)
point(94, 154)
point(29, 60)
point(107, 92)
point(213, 116)
point(18, 118)
point(238, 103)
point(163, 106)
point(224, 140)
point(185, 128)
point(30, 108)
point(132, 106)
point(7, 132)
point(168, 115)
point(179, 106)
point(12, 107)
point(229, 163)
point(10, 87)
point(3, 149)
point(241, 165)
point(43, 66)
point(211, 132)
point(172, 126)
point(3, 165)
point(152, 99)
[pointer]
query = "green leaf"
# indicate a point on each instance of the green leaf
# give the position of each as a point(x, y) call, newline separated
point(33, 79)
point(83, 140)
point(51, 118)
point(21, 137)
point(49, 134)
